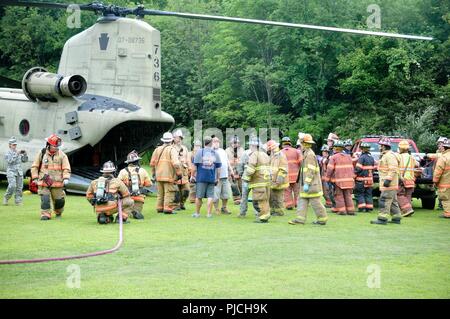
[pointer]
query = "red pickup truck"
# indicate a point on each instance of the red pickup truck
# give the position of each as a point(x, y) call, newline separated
point(424, 178)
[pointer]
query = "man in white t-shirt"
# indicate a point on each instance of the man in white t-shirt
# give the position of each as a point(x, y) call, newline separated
point(223, 188)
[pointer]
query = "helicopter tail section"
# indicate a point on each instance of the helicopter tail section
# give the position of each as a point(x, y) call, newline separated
point(119, 58)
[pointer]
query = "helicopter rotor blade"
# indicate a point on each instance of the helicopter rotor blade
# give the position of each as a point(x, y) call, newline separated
point(281, 24)
point(95, 6)
point(140, 11)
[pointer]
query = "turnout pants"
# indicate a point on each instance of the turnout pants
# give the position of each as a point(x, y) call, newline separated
point(138, 203)
point(444, 196)
point(317, 206)
point(183, 194)
point(15, 187)
point(277, 201)
point(363, 196)
point(111, 208)
point(291, 195)
point(404, 196)
point(52, 196)
point(261, 198)
point(344, 201)
point(388, 205)
point(165, 200)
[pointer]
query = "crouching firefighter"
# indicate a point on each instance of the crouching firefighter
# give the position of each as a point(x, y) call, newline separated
point(137, 180)
point(104, 194)
point(51, 172)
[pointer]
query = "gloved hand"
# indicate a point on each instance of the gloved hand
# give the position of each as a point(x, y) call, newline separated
point(306, 188)
point(92, 201)
point(387, 183)
point(66, 181)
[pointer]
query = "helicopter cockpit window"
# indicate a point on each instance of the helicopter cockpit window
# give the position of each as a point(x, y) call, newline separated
point(24, 127)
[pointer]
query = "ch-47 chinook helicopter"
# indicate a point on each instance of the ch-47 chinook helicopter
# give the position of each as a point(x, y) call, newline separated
point(105, 99)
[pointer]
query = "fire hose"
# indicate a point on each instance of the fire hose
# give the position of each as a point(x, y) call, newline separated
point(93, 254)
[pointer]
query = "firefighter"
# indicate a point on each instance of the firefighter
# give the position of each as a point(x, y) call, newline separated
point(294, 158)
point(331, 139)
point(348, 144)
point(310, 186)
point(340, 173)
point(279, 178)
point(388, 169)
point(327, 190)
point(257, 175)
point(364, 179)
point(243, 206)
point(191, 156)
point(14, 172)
point(434, 157)
point(51, 171)
point(183, 184)
point(104, 194)
point(136, 179)
point(166, 169)
point(234, 153)
point(441, 178)
point(407, 179)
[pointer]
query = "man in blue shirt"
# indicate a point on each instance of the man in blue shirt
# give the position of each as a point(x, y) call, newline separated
point(205, 174)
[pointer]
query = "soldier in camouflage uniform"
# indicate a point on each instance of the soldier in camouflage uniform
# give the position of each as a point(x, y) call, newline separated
point(14, 172)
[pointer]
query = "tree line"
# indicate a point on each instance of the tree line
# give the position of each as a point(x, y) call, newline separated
point(239, 75)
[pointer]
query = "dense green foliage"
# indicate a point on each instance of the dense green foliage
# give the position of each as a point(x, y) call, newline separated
point(178, 256)
point(237, 75)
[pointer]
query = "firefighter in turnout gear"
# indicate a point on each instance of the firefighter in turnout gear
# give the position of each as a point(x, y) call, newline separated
point(137, 180)
point(279, 178)
point(294, 157)
point(327, 190)
point(407, 179)
point(364, 179)
point(441, 178)
point(104, 194)
point(234, 154)
point(183, 184)
point(257, 175)
point(340, 173)
point(14, 172)
point(310, 186)
point(191, 156)
point(51, 171)
point(388, 170)
point(166, 168)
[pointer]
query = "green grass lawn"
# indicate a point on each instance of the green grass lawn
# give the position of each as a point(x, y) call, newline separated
point(177, 256)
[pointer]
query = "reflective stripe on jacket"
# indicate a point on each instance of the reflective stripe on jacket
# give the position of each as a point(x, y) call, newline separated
point(257, 170)
point(56, 166)
point(340, 171)
point(441, 175)
point(279, 168)
point(310, 174)
point(364, 169)
point(166, 163)
point(294, 158)
point(407, 165)
point(388, 169)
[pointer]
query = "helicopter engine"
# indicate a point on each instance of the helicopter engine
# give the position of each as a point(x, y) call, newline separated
point(38, 84)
